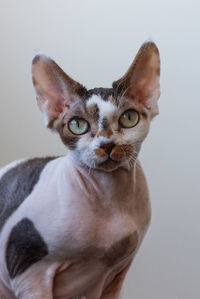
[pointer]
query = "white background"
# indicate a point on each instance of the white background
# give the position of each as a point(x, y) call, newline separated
point(95, 42)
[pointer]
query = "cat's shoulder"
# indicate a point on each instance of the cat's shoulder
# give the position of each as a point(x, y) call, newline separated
point(11, 165)
point(26, 164)
point(17, 181)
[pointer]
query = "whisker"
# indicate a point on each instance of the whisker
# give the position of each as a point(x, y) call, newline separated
point(120, 82)
point(123, 93)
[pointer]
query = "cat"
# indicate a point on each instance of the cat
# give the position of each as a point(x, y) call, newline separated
point(70, 226)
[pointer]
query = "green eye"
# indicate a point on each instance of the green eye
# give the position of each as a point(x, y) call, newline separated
point(78, 126)
point(129, 118)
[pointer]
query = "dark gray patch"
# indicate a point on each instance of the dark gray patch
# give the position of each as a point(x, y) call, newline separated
point(69, 141)
point(93, 111)
point(67, 138)
point(104, 93)
point(96, 113)
point(104, 123)
point(17, 184)
point(25, 247)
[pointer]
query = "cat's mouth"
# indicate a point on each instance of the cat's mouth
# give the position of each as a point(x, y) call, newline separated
point(110, 160)
point(112, 156)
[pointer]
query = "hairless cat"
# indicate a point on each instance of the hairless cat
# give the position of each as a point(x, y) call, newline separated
point(70, 226)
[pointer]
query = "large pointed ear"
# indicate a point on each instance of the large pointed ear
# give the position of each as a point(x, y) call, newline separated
point(141, 82)
point(56, 91)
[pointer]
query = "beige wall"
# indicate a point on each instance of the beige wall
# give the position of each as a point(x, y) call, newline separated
point(95, 41)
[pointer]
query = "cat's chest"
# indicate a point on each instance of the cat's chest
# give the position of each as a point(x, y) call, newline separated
point(106, 239)
point(90, 222)
point(93, 217)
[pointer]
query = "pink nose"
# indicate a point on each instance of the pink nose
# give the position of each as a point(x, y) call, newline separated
point(107, 147)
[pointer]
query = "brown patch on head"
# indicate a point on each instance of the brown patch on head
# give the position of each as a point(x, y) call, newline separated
point(100, 152)
point(69, 141)
point(93, 111)
point(67, 137)
point(61, 125)
point(57, 123)
point(121, 249)
point(121, 151)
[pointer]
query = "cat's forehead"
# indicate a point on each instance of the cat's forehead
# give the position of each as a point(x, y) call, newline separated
point(104, 93)
point(102, 102)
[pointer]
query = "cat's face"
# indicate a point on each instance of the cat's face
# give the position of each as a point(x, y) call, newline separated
point(105, 133)
point(103, 128)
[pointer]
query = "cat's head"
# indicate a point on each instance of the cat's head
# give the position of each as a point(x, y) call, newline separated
point(103, 127)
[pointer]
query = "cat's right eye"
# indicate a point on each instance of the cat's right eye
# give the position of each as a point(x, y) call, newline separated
point(78, 126)
point(129, 118)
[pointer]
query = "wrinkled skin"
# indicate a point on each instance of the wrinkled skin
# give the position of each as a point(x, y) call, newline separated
point(88, 211)
point(93, 218)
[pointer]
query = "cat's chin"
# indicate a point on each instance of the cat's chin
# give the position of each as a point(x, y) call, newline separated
point(109, 165)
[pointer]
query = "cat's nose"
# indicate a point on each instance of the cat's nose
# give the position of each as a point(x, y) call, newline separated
point(107, 147)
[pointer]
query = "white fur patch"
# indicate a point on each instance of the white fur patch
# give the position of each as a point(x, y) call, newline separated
point(106, 108)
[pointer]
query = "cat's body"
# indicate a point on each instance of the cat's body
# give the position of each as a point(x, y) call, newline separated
point(92, 230)
point(78, 220)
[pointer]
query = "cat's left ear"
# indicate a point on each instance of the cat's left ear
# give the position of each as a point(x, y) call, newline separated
point(141, 82)
point(56, 91)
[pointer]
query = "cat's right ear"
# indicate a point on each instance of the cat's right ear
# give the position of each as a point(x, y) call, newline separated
point(56, 91)
point(141, 82)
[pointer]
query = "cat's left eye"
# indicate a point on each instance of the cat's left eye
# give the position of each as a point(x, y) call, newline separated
point(78, 126)
point(129, 118)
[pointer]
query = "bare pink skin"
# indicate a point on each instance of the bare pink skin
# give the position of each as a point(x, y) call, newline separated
point(74, 201)
point(91, 207)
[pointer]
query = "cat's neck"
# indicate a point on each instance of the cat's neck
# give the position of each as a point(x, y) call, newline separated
point(117, 185)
